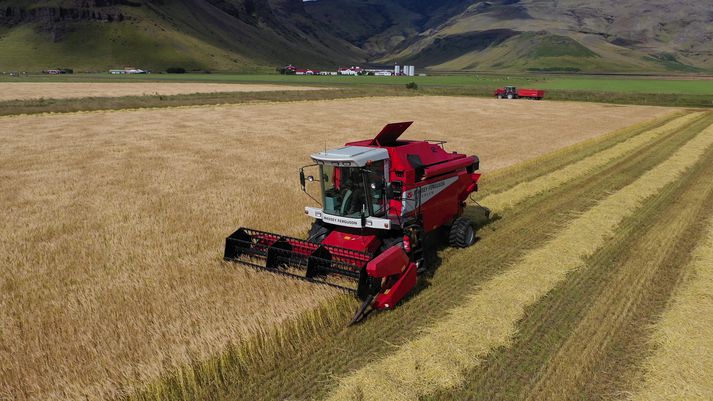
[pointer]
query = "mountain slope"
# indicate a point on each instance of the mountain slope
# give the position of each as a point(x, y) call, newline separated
point(238, 35)
point(657, 35)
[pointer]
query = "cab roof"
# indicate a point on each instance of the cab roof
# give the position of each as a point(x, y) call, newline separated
point(355, 156)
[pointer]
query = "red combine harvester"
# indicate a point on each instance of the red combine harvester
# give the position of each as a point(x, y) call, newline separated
point(379, 198)
point(511, 92)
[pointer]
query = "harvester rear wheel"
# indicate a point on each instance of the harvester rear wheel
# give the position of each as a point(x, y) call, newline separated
point(462, 234)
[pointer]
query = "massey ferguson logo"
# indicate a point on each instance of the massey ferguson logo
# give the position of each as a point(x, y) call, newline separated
point(341, 221)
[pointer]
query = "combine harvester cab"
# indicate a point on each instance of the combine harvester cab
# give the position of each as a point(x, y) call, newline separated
point(379, 199)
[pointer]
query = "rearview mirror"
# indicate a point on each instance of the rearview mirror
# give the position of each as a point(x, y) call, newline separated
point(302, 180)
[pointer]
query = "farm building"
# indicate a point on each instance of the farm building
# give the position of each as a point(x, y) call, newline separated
point(127, 70)
point(350, 71)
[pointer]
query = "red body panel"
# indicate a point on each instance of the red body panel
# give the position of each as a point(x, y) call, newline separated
point(447, 167)
point(390, 133)
point(402, 286)
point(391, 262)
point(365, 241)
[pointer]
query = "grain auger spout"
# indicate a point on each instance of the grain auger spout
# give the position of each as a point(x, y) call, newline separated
point(379, 198)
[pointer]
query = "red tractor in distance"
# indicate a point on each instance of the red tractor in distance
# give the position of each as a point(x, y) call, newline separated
point(511, 92)
point(379, 198)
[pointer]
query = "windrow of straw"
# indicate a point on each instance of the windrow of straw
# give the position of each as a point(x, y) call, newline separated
point(681, 368)
point(438, 358)
point(507, 199)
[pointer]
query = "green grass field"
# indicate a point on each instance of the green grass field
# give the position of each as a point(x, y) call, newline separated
point(659, 91)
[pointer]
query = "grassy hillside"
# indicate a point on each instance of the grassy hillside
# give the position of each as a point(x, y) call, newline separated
point(508, 49)
point(193, 34)
point(94, 46)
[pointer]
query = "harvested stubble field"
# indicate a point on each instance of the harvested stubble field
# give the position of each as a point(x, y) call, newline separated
point(72, 90)
point(114, 222)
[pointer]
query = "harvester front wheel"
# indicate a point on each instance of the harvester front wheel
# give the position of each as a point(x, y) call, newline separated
point(462, 234)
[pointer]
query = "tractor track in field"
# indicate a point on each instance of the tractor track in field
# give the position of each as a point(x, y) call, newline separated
point(587, 337)
point(310, 367)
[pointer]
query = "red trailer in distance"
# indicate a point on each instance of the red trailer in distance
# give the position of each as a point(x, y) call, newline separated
point(511, 92)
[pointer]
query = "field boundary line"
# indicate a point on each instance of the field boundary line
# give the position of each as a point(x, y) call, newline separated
point(681, 366)
point(504, 200)
point(488, 319)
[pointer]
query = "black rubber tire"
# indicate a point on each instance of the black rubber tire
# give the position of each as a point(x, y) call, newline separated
point(462, 233)
point(318, 232)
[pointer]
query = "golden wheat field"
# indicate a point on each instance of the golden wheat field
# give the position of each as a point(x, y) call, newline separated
point(68, 90)
point(113, 223)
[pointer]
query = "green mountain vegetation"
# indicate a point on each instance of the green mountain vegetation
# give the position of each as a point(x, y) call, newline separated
point(656, 36)
point(227, 35)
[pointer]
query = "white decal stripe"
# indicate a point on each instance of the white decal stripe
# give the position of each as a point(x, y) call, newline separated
point(408, 198)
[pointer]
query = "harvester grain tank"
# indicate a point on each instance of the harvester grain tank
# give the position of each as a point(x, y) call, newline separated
point(511, 92)
point(379, 198)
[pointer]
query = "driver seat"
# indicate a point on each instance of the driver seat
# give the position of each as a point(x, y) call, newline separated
point(346, 202)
